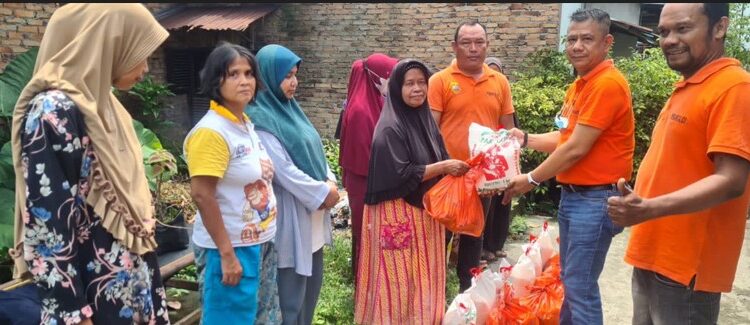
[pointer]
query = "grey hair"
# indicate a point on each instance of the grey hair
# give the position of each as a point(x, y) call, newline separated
point(599, 16)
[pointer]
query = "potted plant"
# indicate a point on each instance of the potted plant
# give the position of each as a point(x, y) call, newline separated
point(171, 202)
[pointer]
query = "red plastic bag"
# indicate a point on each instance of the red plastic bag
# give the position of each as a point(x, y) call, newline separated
point(510, 312)
point(545, 297)
point(455, 203)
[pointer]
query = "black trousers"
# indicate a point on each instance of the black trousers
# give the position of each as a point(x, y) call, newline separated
point(469, 251)
point(497, 225)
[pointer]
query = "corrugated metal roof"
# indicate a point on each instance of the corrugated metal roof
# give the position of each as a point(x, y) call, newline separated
point(216, 18)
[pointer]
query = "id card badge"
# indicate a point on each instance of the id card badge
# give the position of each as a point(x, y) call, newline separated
point(561, 122)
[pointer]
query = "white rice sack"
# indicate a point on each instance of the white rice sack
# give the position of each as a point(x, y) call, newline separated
point(461, 311)
point(501, 156)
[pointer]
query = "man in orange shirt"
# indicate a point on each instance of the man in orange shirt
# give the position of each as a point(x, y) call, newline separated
point(691, 198)
point(469, 91)
point(591, 151)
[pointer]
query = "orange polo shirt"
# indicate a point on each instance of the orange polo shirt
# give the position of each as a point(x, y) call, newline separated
point(600, 99)
point(461, 100)
point(706, 114)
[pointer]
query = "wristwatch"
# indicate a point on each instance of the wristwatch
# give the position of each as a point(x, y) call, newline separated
point(531, 180)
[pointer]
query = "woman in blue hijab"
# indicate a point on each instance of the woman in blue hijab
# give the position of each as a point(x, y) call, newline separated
point(303, 183)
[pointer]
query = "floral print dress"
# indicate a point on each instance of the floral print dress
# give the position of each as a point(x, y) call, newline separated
point(80, 270)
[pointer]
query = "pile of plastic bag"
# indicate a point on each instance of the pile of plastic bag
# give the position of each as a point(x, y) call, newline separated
point(530, 292)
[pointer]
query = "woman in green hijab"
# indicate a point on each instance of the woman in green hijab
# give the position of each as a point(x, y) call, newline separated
point(303, 183)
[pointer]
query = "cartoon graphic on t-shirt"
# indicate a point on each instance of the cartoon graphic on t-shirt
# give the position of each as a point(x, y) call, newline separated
point(250, 233)
point(257, 209)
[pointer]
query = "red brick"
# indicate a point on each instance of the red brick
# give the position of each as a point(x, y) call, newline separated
point(28, 29)
point(29, 42)
point(33, 6)
point(12, 5)
point(9, 41)
point(24, 13)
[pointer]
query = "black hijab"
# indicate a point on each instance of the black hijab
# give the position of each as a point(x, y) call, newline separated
point(406, 139)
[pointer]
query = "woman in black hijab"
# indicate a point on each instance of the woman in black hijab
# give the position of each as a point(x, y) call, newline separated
point(401, 276)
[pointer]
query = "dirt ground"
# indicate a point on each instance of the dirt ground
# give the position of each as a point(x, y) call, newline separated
point(615, 280)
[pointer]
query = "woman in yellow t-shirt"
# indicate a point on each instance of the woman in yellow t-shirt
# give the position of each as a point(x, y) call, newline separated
point(230, 178)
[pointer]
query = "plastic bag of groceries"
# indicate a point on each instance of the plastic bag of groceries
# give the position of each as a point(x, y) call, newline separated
point(502, 275)
point(522, 275)
point(455, 203)
point(462, 311)
point(546, 295)
point(483, 293)
point(501, 156)
point(534, 252)
point(508, 311)
point(547, 246)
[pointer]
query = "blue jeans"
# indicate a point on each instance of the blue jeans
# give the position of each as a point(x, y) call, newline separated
point(585, 234)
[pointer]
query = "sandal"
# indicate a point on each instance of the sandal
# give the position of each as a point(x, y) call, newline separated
point(501, 254)
point(487, 255)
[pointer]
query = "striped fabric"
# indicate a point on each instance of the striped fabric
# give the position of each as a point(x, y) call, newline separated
point(401, 276)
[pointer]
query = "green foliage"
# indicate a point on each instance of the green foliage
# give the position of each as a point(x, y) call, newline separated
point(550, 65)
point(16, 75)
point(538, 94)
point(152, 95)
point(451, 286)
point(152, 101)
point(150, 146)
point(7, 196)
point(738, 35)
point(331, 148)
point(188, 273)
point(336, 302)
point(7, 217)
point(651, 83)
point(13, 79)
point(518, 227)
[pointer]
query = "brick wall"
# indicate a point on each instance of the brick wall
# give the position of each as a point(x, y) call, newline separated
point(21, 26)
point(329, 37)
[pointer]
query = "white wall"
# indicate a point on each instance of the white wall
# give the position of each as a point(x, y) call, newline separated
point(627, 12)
point(566, 10)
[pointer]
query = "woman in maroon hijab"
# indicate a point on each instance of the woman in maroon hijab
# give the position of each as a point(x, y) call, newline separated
point(365, 94)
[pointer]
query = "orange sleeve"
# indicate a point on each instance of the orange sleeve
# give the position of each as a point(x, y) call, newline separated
point(728, 121)
point(606, 101)
point(435, 93)
point(507, 107)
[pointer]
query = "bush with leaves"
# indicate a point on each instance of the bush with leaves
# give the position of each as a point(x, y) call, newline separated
point(13, 79)
point(336, 300)
point(538, 93)
point(331, 148)
point(738, 35)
